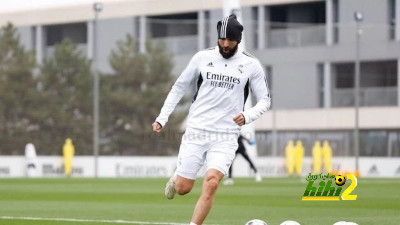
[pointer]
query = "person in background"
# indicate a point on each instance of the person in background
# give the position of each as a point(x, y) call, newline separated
point(290, 157)
point(31, 160)
point(298, 157)
point(68, 153)
point(242, 150)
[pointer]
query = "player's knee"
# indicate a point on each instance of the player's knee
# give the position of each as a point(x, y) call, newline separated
point(211, 184)
point(183, 188)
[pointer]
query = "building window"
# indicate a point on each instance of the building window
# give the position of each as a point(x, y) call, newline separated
point(254, 13)
point(264, 143)
point(76, 32)
point(392, 19)
point(321, 85)
point(336, 21)
point(208, 28)
point(394, 143)
point(341, 142)
point(378, 84)
point(173, 25)
point(34, 36)
point(296, 25)
point(178, 32)
point(385, 143)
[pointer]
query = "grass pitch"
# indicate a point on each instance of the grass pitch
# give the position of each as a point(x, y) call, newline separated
point(82, 201)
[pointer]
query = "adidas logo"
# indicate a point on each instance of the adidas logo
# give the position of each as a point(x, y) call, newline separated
point(210, 64)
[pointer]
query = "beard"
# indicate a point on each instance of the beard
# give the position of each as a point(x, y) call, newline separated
point(228, 54)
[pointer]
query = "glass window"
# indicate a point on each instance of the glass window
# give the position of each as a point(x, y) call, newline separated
point(321, 84)
point(297, 25)
point(392, 19)
point(341, 142)
point(264, 143)
point(344, 77)
point(76, 32)
point(336, 21)
point(378, 84)
point(373, 143)
point(302, 13)
point(379, 74)
point(173, 25)
point(254, 13)
point(394, 143)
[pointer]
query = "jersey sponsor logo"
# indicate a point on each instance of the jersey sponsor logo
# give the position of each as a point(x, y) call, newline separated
point(221, 77)
point(221, 84)
point(222, 81)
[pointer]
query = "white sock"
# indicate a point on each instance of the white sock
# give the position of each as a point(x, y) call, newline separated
point(191, 223)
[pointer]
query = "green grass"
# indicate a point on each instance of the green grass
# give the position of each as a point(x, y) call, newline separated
point(274, 200)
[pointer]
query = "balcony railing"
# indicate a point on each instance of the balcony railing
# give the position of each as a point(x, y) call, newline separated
point(180, 44)
point(371, 96)
point(291, 36)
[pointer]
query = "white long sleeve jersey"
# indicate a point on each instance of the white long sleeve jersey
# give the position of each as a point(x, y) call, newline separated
point(222, 89)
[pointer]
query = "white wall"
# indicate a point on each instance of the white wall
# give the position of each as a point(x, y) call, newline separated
point(83, 166)
point(331, 119)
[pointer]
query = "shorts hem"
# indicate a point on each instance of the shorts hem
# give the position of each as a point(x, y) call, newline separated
point(217, 168)
point(190, 176)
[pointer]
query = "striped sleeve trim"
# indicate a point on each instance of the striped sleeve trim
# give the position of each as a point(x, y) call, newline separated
point(248, 54)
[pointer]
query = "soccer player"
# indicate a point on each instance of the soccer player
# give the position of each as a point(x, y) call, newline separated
point(223, 76)
point(242, 150)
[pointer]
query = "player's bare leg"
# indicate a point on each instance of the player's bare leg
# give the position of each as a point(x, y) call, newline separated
point(183, 185)
point(206, 200)
point(179, 185)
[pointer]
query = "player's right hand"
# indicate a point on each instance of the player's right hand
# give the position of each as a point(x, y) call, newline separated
point(157, 127)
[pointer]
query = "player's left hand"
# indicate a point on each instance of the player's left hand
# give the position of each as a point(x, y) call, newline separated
point(239, 119)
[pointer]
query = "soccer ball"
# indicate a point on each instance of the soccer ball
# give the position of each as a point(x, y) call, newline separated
point(256, 222)
point(340, 223)
point(344, 223)
point(340, 180)
point(289, 222)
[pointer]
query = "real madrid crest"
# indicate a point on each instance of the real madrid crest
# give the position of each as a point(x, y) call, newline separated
point(240, 68)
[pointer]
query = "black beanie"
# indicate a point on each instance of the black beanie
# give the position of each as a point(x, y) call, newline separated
point(229, 27)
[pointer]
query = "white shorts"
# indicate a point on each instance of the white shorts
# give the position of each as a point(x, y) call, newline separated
point(217, 149)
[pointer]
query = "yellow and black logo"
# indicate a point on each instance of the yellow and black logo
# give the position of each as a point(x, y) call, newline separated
point(324, 191)
point(340, 180)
